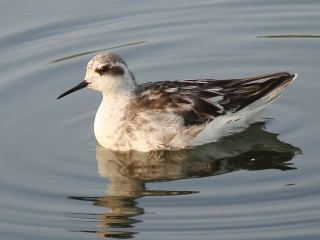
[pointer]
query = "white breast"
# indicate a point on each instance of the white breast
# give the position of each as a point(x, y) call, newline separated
point(119, 128)
point(110, 119)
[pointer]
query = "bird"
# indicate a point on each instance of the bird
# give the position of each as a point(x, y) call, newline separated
point(173, 114)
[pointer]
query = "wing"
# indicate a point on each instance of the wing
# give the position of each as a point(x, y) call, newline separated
point(200, 101)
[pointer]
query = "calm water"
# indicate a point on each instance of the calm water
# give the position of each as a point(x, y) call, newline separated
point(55, 183)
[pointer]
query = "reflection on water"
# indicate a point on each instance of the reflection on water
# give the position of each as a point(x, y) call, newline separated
point(121, 211)
point(252, 149)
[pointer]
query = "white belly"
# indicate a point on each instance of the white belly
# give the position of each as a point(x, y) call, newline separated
point(117, 130)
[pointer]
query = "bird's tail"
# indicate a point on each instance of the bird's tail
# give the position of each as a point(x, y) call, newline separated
point(269, 93)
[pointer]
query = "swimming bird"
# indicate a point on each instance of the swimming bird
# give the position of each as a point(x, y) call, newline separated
point(173, 115)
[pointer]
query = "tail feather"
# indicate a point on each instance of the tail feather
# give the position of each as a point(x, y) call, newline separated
point(270, 90)
point(247, 98)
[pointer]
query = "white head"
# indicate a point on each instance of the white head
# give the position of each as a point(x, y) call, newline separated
point(108, 73)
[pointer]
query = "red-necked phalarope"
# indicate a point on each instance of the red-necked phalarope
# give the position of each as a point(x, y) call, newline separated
point(173, 114)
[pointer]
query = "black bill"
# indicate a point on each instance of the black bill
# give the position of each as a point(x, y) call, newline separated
point(81, 85)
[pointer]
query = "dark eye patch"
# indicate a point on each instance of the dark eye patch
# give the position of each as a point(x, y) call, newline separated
point(116, 70)
point(112, 70)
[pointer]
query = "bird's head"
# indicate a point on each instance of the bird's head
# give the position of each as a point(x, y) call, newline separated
point(108, 73)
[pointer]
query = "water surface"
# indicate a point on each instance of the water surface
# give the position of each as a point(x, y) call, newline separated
point(56, 183)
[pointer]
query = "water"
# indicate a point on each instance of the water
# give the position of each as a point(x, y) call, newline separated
point(55, 183)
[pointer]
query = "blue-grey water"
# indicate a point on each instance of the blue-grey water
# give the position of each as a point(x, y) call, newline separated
point(55, 183)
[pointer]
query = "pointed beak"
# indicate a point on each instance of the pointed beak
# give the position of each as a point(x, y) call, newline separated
point(81, 85)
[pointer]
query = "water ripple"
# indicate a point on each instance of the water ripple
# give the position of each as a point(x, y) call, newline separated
point(55, 182)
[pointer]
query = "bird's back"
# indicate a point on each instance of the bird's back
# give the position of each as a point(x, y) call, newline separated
point(202, 100)
point(218, 107)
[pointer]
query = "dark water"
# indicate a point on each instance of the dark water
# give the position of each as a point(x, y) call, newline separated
point(55, 183)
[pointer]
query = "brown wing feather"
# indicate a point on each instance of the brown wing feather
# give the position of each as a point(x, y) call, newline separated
point(200, 101)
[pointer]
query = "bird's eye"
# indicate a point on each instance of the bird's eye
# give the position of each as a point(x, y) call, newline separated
point(103, 69)
point(112, 70)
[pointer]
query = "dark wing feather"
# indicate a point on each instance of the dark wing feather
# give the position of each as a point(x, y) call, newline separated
point(200, 101)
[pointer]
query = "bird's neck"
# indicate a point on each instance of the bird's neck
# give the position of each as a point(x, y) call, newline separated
point(118, 99)
point(112, 116)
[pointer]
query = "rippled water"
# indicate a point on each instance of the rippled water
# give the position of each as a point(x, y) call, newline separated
point(55, 183)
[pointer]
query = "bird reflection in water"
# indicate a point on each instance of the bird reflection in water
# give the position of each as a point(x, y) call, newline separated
point(129, 172)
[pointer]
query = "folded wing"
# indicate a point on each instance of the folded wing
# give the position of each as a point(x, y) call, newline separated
point(200, 101)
